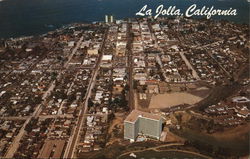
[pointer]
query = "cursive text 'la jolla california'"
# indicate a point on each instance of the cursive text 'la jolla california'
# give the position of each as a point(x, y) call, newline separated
point(193, 10)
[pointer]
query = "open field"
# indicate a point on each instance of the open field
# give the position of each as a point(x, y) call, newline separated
point(172, 99)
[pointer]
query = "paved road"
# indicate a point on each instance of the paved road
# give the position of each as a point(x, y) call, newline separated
point(56, 116)
point(211, 56)
point(194, 73)
point(130, 68)
point(73, 52)
point(14, 118)
point(151, 148)
point(15, 144)
point(13, 148)
point(70, 149)
point(166, 145)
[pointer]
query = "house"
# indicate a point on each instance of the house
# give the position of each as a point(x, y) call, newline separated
point(243, 113)
point(92, 51)
point(153, 89)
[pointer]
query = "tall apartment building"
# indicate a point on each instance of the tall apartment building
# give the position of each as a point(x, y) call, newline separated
point(142, 123)
point(109, 19)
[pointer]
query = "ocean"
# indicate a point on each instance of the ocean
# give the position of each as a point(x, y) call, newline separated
point(34, 17)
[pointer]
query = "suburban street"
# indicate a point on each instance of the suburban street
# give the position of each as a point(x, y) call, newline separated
point(130, 68)
point(70, 149)
point(13, 148)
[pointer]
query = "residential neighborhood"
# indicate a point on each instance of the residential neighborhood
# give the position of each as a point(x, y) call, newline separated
point(78, 90)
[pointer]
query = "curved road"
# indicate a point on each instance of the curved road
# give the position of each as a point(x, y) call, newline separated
point(167, 145)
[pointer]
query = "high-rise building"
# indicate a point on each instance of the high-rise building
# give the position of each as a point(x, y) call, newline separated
point(109, 19)
point(142, 123)
point(106, 18)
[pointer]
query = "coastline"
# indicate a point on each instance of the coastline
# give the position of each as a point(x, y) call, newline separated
point(44, 33)
point(27, 17)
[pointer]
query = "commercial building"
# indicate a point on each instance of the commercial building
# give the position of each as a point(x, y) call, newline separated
point(142, 123)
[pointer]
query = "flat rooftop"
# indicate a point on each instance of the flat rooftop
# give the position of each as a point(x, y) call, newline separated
point(135, 114)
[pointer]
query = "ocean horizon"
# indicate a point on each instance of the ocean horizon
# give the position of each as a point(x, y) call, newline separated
point(29, 17)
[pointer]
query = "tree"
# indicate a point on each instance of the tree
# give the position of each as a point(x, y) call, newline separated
point(111, 116)
point(210, 125)
point(126, 88)
point(53, 75)
point(90, 102)
point(135, 84)
point(72, 97)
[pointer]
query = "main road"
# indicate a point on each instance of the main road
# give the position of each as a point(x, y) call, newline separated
point(130, 67)
point(70, 149)
point(14, 146)
point(194, 73)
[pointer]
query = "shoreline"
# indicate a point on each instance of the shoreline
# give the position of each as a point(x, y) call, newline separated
point(65, 26)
